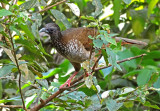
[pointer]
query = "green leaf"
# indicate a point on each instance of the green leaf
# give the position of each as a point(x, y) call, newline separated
point(74, 8)
point(94, 104)
point(27, 31)
point(92, 24)
point(50, 73)
point(98, 5)
point(31, 92)
point(1, 28)
point(43, 82)
point(138, 25)
point(129, 104)
point(10, 99)
point(61, 17)
point(131, 73)
point(148, 104)
point(153, 79)
point(88, 18)
point(112, 58)
point(28, 44)
point(127, 90)
point(116, 8)
point(98, 43)
point(88, 81)
point(5, 1)
point(30, 100)
point(43, 3)
point(67, 67)
point(23, 15)
point(144, 77)
point(81, 4)
point(5, 12)
point(6, 69)
point(105, 56)
point(110, 40)
point(105, 26)
point(37, 18)
point(127, 1)
point(138, 20)
point(41, 48)
point(152, 55)
point(29, 4)
point(13, 28)
point(151, 6)
point(112, 105)
point(77, 95)
point(35, 32)
point(157, 85)
point(107, 71)
point(107, 37)
point(24, 86)
point(128, 64)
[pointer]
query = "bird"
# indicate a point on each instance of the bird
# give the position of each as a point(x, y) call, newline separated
point(75, 45)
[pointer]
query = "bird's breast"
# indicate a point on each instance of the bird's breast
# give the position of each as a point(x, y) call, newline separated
point(73, 50)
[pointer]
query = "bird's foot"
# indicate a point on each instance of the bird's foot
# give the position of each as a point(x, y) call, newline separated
point(68, 82)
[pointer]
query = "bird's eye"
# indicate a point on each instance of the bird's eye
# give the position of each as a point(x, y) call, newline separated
point(50, 30)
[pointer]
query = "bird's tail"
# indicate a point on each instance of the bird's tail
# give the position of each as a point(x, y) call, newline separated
point(129, 41)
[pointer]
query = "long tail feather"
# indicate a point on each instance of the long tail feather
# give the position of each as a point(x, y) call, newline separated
point(130, 41)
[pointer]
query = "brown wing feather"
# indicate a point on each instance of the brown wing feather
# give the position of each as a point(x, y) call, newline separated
point(81, 34)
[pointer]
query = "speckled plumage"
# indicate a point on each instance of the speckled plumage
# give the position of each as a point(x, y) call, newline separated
point(74, 43)
point(71, 44)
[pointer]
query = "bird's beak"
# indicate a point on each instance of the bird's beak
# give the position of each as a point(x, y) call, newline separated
point(43, 30)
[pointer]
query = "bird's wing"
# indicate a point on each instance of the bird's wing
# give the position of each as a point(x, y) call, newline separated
point(81, 34)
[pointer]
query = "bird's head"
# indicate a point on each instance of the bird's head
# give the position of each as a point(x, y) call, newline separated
point(52, 29)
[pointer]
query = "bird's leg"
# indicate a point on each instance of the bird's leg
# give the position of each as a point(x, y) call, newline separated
point(68, 82)
point(86, 73)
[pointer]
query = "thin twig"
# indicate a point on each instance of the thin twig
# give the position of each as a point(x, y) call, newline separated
point(74, 85)
point(19, 81)
point(73, 89)
point(93, 69)
point(118, 62)
point(60, 91)
point(42, 104)
point(49, 7)
point(11, 106)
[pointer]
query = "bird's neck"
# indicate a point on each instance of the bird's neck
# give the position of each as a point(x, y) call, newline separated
point(59, 45)
point(56, 39)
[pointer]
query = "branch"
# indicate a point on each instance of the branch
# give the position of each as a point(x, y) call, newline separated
point(16, 61)
point(11, 106)
point(56, 94)
point(93, 68)
point(73, 89)
point(42, 104)
point(49, 7)
point(118, 62)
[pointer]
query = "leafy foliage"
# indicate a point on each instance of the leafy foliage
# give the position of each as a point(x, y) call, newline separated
point(131, 85)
